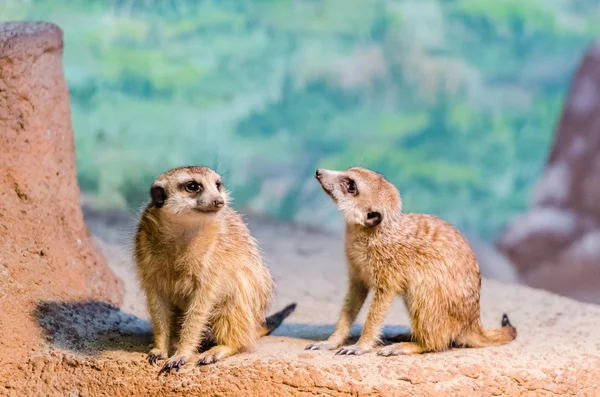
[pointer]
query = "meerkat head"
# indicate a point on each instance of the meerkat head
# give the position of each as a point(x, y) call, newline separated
point(365, 197)
point(189, 190)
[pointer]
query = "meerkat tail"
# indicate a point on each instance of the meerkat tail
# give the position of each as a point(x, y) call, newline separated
point(275, 320)
point(493, 337)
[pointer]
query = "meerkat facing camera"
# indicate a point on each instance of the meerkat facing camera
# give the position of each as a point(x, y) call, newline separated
point(419, 257)
point(195, 256)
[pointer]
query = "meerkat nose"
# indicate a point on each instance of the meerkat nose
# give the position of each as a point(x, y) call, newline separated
point(318, 173)
point(218, 202)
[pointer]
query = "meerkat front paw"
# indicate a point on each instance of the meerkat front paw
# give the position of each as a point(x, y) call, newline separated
point(173, 363)
point(353, 350)
point(155, 355)
point(322, 346)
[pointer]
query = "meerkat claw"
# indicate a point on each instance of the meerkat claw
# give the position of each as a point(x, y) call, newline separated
point(170, 365)
point(207, 360)
point(154, 358)
point(320, 346)
point(388, 351)
point(351, 351)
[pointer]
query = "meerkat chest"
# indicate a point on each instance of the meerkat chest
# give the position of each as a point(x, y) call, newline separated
point(177, 274)
point(172, 280)
point(358, 257)
point(375, 261)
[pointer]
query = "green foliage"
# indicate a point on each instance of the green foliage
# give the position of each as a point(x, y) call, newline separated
point(515, 15)
point(454, 101)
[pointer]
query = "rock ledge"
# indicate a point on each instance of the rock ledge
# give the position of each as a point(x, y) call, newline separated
point(102, 352)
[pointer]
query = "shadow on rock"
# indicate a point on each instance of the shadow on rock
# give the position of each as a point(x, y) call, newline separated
point(320, 332)
point(91, 327)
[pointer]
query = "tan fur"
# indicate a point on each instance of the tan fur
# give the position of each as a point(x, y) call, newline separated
point(198, 258)
point(419, 257)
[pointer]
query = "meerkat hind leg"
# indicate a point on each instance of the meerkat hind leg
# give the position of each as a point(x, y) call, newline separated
point(402, 348)
point(233, 330)
point(215, 354)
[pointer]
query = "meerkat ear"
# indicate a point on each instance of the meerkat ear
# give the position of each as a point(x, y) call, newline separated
point(158, 195)
point(373, 219)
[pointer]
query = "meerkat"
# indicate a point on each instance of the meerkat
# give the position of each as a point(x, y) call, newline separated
point(201, 270)
point(419, 257)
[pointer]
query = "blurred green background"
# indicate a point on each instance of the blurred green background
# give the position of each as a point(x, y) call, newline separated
point(454, 101)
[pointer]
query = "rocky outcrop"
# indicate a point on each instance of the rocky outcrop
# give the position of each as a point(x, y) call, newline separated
point(556, 244)
point(45, 249)
point(100, 350)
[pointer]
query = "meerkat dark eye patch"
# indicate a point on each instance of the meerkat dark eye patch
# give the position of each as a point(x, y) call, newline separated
point(350, 186)
point(373, 219)
point(158, 195)
point(192, 187)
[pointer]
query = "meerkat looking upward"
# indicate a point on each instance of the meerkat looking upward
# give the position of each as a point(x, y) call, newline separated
point(419, 257)
point(195, 256)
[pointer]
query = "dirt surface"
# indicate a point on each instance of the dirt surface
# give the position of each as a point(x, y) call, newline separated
point(45, 248)
point(65, 332)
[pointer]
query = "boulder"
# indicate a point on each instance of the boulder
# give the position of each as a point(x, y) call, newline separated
point(45, 248)
point(556, 244)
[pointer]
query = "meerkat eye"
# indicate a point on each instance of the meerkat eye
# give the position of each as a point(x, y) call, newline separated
point(351, 187)
point(192, 187)
point(219, 184)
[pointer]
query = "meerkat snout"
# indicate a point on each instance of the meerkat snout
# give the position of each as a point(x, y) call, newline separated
point(218, 202)
point(329, 181)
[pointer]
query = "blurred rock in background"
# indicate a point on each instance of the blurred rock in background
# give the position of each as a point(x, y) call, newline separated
point(556, 243)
